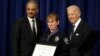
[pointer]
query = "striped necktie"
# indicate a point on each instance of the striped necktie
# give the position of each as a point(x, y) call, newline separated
point(72, 32)
point(33, 28)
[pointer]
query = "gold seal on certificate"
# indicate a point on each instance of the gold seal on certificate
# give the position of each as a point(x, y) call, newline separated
point(56, 38)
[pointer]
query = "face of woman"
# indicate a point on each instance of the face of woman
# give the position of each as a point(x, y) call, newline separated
point(52, 24)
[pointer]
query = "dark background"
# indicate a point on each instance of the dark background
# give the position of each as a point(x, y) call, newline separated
point(10, 10)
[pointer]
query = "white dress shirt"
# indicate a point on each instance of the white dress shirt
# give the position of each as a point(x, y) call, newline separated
point(31, 22)
point(76, 24)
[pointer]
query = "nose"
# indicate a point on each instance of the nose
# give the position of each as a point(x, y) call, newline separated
point(30, 10)
point(50, 23)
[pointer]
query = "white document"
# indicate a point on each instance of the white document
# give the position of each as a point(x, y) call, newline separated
point(44, 50)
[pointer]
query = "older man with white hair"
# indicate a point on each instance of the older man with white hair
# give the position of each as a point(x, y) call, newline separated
point(79, 33)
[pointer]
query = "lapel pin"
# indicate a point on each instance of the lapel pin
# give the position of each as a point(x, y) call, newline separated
point(77, 34)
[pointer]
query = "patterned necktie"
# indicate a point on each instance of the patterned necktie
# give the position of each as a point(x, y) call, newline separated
point(72, 32)
point(33, 28)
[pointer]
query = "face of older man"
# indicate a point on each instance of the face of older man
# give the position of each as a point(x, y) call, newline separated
point(31, 10)
point(73, 14)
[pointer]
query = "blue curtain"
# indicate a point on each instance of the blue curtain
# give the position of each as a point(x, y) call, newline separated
point(48, 6)
point(10, 10)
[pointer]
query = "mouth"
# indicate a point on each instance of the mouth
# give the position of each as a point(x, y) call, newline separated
point(30, 13)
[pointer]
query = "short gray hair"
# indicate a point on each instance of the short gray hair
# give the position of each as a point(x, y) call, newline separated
point(76, 7)
point(33, 2)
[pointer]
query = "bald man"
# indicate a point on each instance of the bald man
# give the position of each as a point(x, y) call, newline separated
point(27, 31)
point(79, 33)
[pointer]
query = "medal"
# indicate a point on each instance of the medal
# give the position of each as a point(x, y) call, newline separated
point(56, 38)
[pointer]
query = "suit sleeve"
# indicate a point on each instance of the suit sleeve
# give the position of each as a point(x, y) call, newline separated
point(64, 45)
point(16, 36)
point(88, 43)
point(42, 39)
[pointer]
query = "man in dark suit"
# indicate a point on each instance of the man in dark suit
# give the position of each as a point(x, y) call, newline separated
point(27, 31)
point(79, 34)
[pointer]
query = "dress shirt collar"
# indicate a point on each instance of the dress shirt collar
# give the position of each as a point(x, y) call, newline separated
point(52, 33)
point(30, 19)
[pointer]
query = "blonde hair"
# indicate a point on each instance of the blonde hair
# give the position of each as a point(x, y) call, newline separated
point(53, 15)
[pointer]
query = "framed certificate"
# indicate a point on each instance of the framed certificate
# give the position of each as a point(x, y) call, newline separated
point(44, 50)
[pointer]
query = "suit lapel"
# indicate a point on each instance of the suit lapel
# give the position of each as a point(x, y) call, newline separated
point(27, 26)
point(38, 25)
point(79, 28)
point(77, 32)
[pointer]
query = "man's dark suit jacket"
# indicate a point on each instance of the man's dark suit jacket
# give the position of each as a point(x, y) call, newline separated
point(24, 41)
point(81, 42)
point(53, 41)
